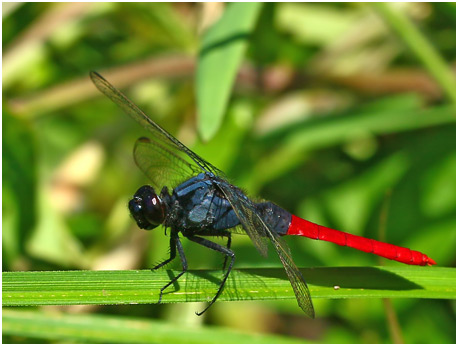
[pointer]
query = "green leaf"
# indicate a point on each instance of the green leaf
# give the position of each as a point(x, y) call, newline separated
point(222, 50)
point(326, 132)
point(143, 286)
point(107, 329)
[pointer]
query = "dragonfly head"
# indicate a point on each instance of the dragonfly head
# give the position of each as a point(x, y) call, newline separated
point(147, 208)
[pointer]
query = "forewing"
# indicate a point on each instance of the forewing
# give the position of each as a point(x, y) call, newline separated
point(161, 165)
point(161, 137)
point(258, 231)
point(244, 209)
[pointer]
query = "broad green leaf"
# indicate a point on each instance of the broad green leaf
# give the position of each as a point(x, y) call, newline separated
point(143, 286)
point(222, 50)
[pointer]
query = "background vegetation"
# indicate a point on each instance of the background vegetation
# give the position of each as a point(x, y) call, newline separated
point(343, 114)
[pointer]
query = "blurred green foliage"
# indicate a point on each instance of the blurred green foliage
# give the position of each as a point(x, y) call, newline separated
point(333, 116)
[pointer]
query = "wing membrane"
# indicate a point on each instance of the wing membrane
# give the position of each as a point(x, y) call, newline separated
point(294, 275)
point(258, 230)
point(166, 140)
point(243, 211)
point(161, 165)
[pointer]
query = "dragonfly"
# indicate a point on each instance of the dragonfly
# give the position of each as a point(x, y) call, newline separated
point(191, 197)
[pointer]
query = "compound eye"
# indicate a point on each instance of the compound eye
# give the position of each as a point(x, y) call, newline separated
point(147, 208)
point(154, 210)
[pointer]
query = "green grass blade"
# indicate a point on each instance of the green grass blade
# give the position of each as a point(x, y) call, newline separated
point(420, 46)
point(326, 132)
point(105, 329)
point(222, 50)
point(142, 286)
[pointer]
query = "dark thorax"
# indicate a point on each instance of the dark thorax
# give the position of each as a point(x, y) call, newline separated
point(198, 206)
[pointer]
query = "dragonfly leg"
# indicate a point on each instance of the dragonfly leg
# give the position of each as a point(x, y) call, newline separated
point(173, 252)
point(226, 252)
point(219, 233)
point(228, 246)
point(178, 246)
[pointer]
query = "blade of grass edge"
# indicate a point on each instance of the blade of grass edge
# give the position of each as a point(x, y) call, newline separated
point(117, 329)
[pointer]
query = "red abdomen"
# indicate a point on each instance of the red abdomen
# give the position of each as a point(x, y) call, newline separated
point(311, 230)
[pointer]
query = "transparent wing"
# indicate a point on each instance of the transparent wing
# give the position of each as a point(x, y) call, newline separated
point(258, 230)
point(162, 166)
point(165, 150)
point(243, 208)
point(161, 137)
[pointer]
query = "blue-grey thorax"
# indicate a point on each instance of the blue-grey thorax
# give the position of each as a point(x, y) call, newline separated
point(199, 205)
